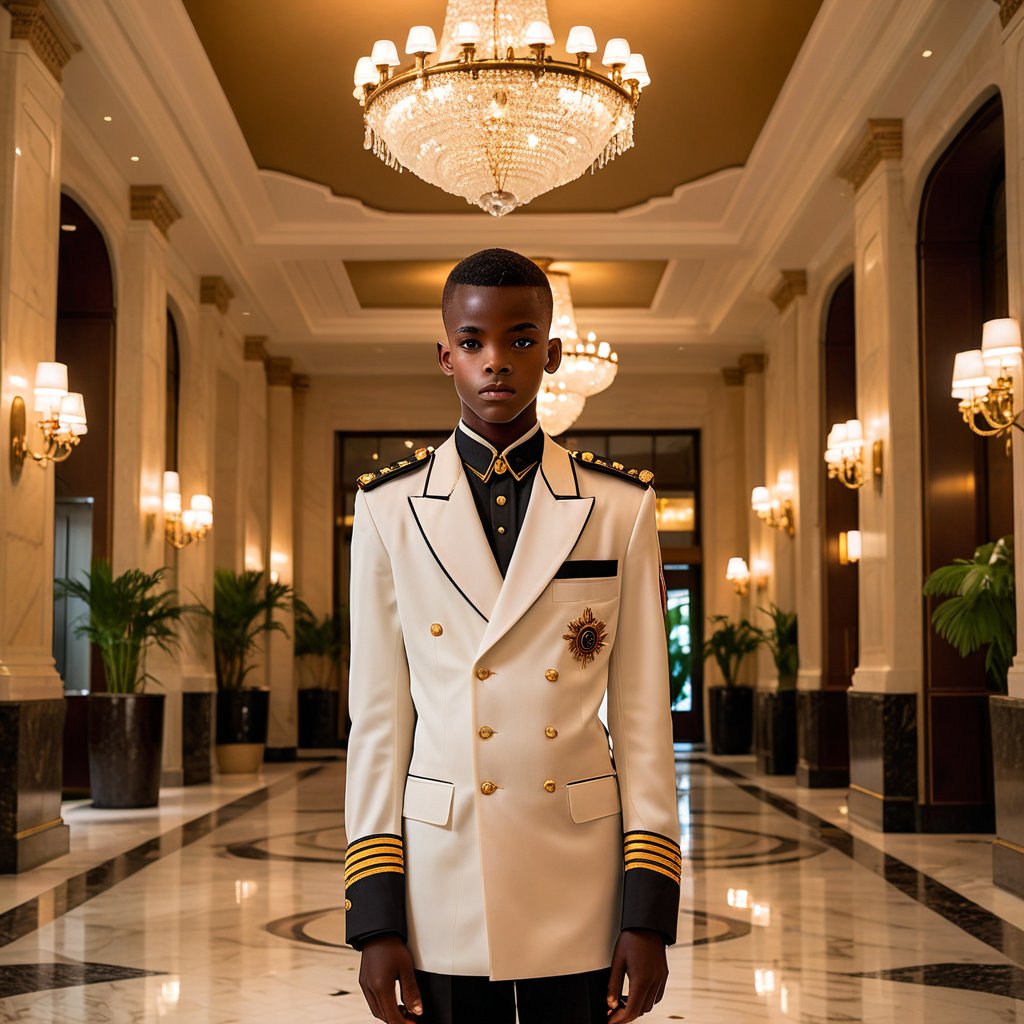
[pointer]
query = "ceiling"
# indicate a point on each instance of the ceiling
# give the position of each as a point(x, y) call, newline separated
point(717, 68)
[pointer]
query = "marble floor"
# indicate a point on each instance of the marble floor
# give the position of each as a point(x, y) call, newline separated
point(224, 905)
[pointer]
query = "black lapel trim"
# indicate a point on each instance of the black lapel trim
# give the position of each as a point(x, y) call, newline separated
point(562, 497)
point(430, 469)
point(412, 508)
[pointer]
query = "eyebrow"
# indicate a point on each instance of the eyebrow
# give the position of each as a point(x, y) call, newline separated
point(526, 326)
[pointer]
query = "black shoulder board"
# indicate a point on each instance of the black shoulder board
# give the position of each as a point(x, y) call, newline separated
point(640, 477)
point(418, 458)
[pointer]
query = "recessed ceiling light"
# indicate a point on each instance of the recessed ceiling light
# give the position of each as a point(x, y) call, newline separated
point(136, 159)
point(926, 53)
point(17, 150)
point(246, 312)
point(107, 117)
point(69, 227)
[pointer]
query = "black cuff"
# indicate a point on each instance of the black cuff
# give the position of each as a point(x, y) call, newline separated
point(374, 889)
point(650, 894)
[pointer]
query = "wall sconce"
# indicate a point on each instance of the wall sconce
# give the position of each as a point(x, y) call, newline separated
point(194, 523)
point(850, 547)
point(983, 380)
point(738, 575)
point(775, 508)
point(61, 418)
point(844, 455)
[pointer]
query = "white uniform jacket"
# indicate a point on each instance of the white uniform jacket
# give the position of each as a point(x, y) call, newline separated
point(489, 824)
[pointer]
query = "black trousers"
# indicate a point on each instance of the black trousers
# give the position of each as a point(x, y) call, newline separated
point(563, 999)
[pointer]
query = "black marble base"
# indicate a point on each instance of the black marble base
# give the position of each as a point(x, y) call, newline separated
point(196, 737)
point(278, 754)
point(883, 760)
point(21, 979)
point(31, 739)
point(823, 743)
point(775, 731)
point(1007, 716)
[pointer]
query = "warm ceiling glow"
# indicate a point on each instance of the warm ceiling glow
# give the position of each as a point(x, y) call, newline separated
point(135, 159)
point(926, 53)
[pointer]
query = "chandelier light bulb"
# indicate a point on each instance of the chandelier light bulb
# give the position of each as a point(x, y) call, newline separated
point(538, 33)
point(384, 54)
point(616, 53)
point(366, 72)
point(581, 40)
point(467, 33)
point(421, 41)
point(636, 71)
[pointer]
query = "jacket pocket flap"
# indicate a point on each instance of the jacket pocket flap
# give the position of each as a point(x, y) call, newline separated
point(593, 798)
point(428, 800)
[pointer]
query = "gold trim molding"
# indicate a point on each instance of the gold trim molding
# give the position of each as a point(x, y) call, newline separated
point(1007, 844)
point(793, 284)
point(256, 349)
point(882, 140)
point(151, 202)
point(279, 372)
point(753, 362)
point(214, 291)
point(35, 22)
point(36, 829)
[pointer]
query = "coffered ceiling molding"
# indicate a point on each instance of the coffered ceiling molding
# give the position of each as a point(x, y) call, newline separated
point(151, 202)
point(215, 291)
point(35, 21)
point(792, 284)
point(882, 140)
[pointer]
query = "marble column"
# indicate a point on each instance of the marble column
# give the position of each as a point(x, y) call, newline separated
point(1008, 712)
point(883, 699)
point(282, 741)
point(34, 47)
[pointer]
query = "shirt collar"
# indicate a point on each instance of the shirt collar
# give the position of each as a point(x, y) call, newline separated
point(486, 461)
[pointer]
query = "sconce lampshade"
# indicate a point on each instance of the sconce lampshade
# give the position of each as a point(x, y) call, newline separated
point(172, 492)
point(421, 40)
point(365, 73)
point(970, 376)
point(51, 386)
point(737, 571)
point(202, 506)
point(636, 70)
point(760, 499)
point(538, 33)
point(72, 414)
point(1000, 343)
point(616, 53)
point(581, 40)
point(854, 545)
point(385, 54)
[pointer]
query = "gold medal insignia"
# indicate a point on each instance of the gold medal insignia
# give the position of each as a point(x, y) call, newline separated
point(586, 636)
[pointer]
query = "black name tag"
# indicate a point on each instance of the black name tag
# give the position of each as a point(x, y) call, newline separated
point(587, 568)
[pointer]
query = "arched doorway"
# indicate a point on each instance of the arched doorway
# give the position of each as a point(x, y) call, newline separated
point(966, 480)
point(84, 483)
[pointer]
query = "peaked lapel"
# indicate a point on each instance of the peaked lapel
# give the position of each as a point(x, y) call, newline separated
point(450, 524)
point(555, 519)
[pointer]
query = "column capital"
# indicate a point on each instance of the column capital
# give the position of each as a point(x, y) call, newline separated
point(882, 139)
point(733, 376)
point(214, 291)
point(279, 372)
point(151, 202)
point(1007, 9)
point(35, 22)
point(792, 283)
point(256, 349)
point(753, 362)
point(300, 381)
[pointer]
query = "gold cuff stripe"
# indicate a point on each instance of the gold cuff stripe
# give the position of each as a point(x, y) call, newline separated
point(651, 867)
point(651, 858)
point(652, 837)
point(377, 851)
point(349, 882)
point(372, 863)
point(667, 854)
point(359, 844)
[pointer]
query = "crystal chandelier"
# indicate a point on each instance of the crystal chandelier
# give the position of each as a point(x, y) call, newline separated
point(496, 119)
point(558, 408)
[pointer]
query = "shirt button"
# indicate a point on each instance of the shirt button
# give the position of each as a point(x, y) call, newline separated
point(487, 788)
point(436, 629)
point(484, 673)
point(486, 732)
point(551, 732)
point(549, 785)
point(501, 499)
point(501, 529)
point(551, 675)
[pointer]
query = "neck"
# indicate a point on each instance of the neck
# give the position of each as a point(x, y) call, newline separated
point(501, 435)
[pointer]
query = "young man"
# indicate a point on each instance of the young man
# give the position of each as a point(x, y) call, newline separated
point(503, 848)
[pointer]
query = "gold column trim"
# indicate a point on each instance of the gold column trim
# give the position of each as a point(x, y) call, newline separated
point(733, 376)
point(881, 140)
point(35, 829)
point(792, 284)
point(1007, 9)
point(878, 796)
point(151, 202)
point(36, 23)
point(1007, 845)
point(214, 291)
point(279, 372)
point(753, 362)
point(256, 349)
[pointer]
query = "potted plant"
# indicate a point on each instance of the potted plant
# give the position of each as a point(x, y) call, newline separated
point(318, 647)
point(680, 663)
point(243, 610)
point(732, 705)
point(127, 615)
point(775, 714)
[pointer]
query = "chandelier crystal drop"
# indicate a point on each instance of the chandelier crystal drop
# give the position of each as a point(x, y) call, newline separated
point(558, 408)
point(496, 119)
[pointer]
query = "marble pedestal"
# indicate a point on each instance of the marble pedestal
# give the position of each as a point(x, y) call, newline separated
point(196, 737)
point(31, 828)
point(823, 741)
point(1007, 715)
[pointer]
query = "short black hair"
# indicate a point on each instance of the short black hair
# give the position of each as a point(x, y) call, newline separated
point(497, 268)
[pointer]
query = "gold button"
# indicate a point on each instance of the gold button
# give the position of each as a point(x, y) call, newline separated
point(487, 788)
point(501, 529)
point(499, 466)
point(549, 785)
point(486, 732)
point(436, 629)
point(500, 499)
point(551, 732)
point(348, 904)
point(551, 675)
point(484, 673)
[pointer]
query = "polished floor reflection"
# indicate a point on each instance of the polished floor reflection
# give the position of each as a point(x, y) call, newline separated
point(225, 906)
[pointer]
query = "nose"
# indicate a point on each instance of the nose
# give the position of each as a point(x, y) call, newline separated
point(496, 363)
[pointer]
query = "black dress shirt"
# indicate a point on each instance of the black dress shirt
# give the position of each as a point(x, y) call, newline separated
point(501, 483)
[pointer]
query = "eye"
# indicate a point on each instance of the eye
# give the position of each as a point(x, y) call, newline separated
point(523, 343)
point(470, 344)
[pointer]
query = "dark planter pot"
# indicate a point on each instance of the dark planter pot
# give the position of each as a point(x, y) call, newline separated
point(126, 739)
point(318, 718)
point(241, 729)
point(732, 719)
point(196, 736)
point(776, 732)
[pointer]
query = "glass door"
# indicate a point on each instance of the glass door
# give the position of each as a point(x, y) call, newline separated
point(685, 639)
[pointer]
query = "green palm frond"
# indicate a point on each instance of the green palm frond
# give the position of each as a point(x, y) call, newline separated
point(781, 640)
point(319, 642)
point(729, 644)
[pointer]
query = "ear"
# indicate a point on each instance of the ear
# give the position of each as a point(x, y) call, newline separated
point(554, 355)
point(444, 358)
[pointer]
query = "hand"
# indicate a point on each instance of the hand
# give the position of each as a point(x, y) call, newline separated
point(640, 956)
point(385, 960)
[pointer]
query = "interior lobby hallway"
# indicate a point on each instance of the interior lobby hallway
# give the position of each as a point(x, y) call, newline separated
point(226, 906)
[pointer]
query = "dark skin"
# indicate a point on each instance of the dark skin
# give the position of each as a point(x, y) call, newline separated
point(497, 350)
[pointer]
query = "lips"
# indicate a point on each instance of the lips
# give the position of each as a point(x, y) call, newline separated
point(497, 391)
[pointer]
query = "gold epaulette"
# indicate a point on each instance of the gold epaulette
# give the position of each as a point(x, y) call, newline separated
point(418, 458)
point(640, 477)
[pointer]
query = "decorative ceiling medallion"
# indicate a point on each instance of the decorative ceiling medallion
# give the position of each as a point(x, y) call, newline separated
point(587, 636)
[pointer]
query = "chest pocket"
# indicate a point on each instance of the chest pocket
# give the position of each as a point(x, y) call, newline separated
point(427, 800)
point(593, 798)
point(592, 589)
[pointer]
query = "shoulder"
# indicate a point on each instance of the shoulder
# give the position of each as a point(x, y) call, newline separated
point(374, 478)
point(598, 463)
